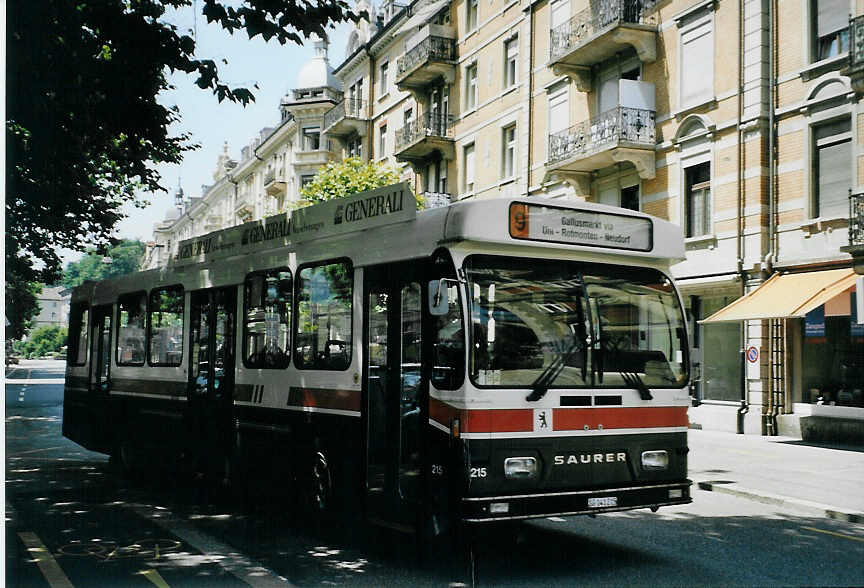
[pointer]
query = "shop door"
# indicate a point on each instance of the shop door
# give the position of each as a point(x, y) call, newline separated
point(395, 395)
point(211, 378)
point(100, 378)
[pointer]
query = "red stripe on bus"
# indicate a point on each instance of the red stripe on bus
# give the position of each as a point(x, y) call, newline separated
point(570, 419)
point(482, 421)
point(325, 398)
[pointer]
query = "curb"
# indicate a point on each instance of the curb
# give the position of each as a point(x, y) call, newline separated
point(813, 508)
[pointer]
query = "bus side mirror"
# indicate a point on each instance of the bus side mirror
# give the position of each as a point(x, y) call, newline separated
point(438, 303)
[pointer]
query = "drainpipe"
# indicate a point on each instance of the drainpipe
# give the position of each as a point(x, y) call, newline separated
point(739, 242)
point(530, 94)
point(769, 426)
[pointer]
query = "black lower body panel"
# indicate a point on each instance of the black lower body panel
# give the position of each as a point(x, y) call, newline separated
point(529, 506)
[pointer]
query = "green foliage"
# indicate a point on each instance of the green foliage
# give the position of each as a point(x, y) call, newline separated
point(124, 258)
point(43, 341)
point(21, 305)
point(84, 128)
point(337, 180)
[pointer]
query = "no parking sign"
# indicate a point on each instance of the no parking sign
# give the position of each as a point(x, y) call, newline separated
point(752, 354)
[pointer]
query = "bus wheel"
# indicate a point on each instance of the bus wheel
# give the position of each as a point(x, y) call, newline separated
point(320, 487)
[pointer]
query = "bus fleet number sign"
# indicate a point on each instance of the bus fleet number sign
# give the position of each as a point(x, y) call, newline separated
point(580, 227)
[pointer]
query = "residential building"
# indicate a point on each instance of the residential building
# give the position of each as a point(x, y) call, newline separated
point(53, 308)
point(741, 121)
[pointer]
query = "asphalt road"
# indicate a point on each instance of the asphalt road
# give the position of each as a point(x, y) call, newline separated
point(71, 521)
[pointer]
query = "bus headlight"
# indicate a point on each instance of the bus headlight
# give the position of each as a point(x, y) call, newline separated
point(520, 468)
point(655, 460)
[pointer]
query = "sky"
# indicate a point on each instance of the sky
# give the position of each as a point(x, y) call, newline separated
point(271, 66)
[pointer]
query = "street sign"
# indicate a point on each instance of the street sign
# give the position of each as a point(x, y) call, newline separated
point(752, 354)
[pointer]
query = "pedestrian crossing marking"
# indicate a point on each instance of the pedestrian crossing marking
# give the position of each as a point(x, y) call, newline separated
point(49, 567)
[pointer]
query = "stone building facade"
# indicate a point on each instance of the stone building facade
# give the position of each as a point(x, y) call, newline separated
point(739, 120)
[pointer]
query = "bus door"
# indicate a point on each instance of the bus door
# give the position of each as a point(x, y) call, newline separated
point(211, 377)
point(395, 389)
point(100, 379)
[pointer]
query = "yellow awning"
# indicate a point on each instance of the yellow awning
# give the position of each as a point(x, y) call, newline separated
point(787, 296)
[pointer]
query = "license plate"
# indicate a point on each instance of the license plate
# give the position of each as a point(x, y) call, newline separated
point(603, 502)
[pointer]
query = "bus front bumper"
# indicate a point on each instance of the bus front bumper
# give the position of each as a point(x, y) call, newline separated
point(582, 502)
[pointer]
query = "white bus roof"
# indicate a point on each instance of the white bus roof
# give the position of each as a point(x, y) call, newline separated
point(383, 225)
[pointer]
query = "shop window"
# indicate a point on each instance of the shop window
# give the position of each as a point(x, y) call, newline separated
point(267, 323)
point(78, 328)
point(720, 346)
point(832, 366)
point(165, 326)
point(698, 199)
point(832, 152)
point(131, 336)
point(324, 303)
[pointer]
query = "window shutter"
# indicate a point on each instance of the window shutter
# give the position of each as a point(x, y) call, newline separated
point(697, 64)
point(469, 167)
point(834, 178)
point(559, 117)
point(831, 16)
point(560, 13)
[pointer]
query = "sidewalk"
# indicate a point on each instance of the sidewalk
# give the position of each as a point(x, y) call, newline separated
point(820, 480)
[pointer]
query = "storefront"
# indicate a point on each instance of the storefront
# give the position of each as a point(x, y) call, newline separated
point(806, 352)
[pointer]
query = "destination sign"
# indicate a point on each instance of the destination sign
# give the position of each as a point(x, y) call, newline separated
point(580, 227)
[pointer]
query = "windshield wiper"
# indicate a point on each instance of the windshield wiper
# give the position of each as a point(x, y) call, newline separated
point(633, 380)
point(541, 385)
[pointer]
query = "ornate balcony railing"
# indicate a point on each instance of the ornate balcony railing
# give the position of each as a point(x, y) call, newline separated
point(347, 108)
point(603, 14)
point(627, 125)
point(856, 220)
point(856, 41)
point(428, 125)
point(430, 49)
point(435, 199)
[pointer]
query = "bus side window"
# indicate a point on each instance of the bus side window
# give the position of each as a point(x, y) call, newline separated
point(324, 315)
point(130, 329)
point(165, 326)
point(78, 328)
point(267, 301)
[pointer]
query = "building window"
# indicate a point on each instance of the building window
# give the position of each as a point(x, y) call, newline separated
point(698, 199)
point(469, 168)
point(471, 87)
point(306, 179)
point(471, 17)
point(508, 159)
point(558, 122)
point(382, 80)
point(267, 303)
point(630, 197)
point(511, 58)
point(311, 138)
point(697, 62)
point(830, 26)
point(382, 141)
point(165, 326)
point(323, 338)
point(355, 147)
point(832, 154)
point(407, 116)
point(131, 338)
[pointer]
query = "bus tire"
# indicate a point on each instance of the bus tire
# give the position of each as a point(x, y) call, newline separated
point(319, 487)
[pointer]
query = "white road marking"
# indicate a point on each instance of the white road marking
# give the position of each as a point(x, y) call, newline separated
point(47, 564)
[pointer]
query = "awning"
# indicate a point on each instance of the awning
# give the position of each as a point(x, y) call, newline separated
point(422, 13)
point(787, 296)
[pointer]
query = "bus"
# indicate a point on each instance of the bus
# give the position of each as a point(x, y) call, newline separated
point(489, 360)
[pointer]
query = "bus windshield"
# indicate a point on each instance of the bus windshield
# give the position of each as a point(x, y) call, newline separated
point(572, 324)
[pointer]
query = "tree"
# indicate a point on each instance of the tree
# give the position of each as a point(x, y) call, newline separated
point(121, 259)
point(84, 127)
point(21, 305)
point(340, 179)
point(43, 341)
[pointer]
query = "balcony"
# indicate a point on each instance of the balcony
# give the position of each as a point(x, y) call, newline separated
point(274, 185)
point(432, 58)
point(315, 157)
point(348, 117)
point(618, 135)
point(244, 209)
point(855, 69)
point(856, 232)
point(600, 32)
point(422, 137)
point(435, 199)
